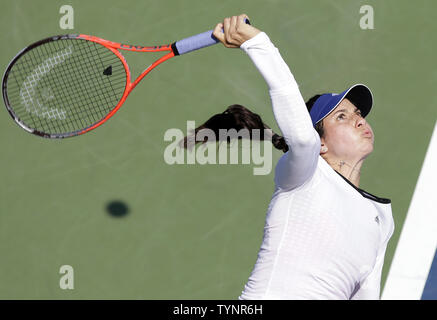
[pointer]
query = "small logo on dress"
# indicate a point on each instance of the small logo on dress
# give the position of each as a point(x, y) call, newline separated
point(377, 219)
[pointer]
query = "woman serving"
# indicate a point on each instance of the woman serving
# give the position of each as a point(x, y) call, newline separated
point(324, 237)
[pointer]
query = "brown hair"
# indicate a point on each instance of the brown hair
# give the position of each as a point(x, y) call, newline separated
point(239, 117)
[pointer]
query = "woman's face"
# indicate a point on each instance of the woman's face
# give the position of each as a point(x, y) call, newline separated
point(347, 135)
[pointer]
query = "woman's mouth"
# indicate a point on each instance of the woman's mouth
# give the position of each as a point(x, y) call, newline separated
point(367, 133)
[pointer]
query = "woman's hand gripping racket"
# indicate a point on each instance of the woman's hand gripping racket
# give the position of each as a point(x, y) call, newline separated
point(65, 86)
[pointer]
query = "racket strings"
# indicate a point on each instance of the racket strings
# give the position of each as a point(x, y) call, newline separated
point(34, 120)
point(94, 108)
point(79, 114)
point(61, 87)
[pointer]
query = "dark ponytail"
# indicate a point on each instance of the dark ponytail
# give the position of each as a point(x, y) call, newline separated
point(239, 117)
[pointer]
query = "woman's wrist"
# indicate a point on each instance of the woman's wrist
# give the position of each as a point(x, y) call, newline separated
point(259, 40)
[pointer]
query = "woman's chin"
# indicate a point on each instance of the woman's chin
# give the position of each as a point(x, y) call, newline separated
point(368, 150)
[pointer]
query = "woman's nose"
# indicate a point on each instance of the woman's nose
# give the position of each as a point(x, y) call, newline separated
point(360, 121)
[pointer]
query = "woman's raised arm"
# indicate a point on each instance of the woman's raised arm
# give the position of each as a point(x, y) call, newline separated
point(299, 163)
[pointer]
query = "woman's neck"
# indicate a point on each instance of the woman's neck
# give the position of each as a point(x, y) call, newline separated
point(347, 168)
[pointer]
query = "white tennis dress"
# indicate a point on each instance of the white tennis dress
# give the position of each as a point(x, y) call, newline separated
point(323, 237)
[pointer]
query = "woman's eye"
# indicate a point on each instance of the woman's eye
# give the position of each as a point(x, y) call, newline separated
point(341, 116)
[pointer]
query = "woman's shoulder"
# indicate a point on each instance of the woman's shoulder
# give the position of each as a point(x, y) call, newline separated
point(312, 180)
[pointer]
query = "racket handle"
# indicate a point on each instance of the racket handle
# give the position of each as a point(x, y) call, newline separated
point(196, 42)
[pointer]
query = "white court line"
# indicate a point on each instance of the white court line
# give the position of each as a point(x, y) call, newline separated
point(418, 241)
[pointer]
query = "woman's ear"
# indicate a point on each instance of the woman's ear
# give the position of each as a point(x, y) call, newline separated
point(323, 148)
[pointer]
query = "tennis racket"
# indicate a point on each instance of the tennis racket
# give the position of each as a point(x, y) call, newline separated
point(65, 86)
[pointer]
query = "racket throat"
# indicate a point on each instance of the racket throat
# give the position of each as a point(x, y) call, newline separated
point(151, 67)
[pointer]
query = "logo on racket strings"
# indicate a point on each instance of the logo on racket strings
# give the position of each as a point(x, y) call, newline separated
point(28, 89)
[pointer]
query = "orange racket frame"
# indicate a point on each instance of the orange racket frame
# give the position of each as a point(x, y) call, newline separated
point(115, 47)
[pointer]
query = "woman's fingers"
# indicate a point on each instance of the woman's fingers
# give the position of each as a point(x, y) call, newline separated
point(226, 24)
point(218, 33)
point(229, 30)
point(241, 19)
point(234, 31)
point(233, 25)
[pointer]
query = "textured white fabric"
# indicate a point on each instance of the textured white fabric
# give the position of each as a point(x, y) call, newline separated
point(322, 238)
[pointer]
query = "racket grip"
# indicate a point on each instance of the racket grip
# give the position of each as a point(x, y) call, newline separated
point(196, 42)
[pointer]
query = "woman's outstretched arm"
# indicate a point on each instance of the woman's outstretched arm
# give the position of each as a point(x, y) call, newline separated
point(299, 163)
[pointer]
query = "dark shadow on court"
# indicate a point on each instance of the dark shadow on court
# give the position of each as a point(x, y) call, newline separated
point(117, 209)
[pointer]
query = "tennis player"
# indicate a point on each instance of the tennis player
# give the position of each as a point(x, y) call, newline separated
point(324, 237)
